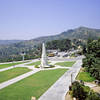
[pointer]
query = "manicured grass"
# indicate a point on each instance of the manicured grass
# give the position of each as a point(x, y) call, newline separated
point(85, 76)
point(34, 63)
point(11, 64)
point(34, 85)
point(11, 73)
point(65, 64)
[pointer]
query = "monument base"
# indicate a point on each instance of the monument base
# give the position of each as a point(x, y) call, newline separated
point(45, 66)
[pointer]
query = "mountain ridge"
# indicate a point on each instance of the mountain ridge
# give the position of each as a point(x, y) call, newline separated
point(70, 33)
point(78, 33)
point(32, 46)
point(7, 42)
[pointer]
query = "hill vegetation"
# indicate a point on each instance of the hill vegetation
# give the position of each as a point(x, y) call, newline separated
point(92, 60)
point(7, 42)
point(32, 48)
point(82, 92)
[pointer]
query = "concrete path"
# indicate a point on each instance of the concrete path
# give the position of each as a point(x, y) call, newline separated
point(61, 87)
point(4, 69)
point(65, 58)
point(9, 82)
point(12, 62)
point(53, 60)
point(19, 65)
point(91, 85)
point(56, 67)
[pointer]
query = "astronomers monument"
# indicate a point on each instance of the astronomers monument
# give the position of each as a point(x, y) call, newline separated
point(44, 62)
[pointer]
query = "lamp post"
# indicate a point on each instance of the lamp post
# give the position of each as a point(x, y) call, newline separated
point(23, 55)
point(72, 77)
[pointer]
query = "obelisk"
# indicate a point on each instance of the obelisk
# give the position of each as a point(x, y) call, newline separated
point(44, 57)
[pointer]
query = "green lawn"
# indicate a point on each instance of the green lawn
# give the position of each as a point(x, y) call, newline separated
point(85, 76)
point(11, 64)
point(65, 64)
point(34, 85)
point(34, 63)
point(11, 73)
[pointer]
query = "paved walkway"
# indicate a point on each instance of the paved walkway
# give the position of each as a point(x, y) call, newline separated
point(65, 58)
point(19, 65)
point(9, 82)
point(61, 87)
point(53, 61)
point(4, 69)
point(91, 85)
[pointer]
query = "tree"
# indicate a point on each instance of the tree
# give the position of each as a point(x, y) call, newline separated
point(92, 60)
point(78, 91)
point(93, 96)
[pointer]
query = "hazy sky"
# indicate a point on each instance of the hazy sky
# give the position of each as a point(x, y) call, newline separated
point(27, 19)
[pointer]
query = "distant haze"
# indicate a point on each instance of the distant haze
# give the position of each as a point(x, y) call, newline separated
point(28, 19)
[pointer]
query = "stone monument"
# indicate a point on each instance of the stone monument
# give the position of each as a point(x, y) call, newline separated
point(44, 62)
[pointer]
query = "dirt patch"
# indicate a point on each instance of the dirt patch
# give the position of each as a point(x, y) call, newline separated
point(96, 89)
point(93, 86)
point(68, 97)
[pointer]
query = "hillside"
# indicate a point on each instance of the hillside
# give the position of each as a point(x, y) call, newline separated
point(30, 46)
point(7, 42)
point(79, 33)
point(82, 33)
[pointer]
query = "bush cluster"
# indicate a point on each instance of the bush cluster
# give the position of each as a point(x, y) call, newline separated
point(92, 60)
point(81, 92)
